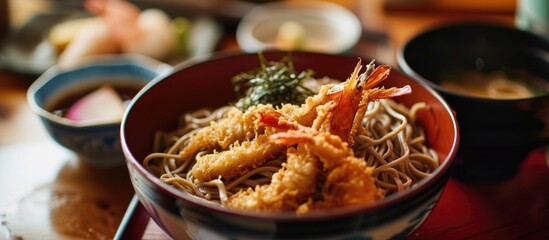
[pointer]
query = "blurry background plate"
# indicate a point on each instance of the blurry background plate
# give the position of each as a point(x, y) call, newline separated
point(27, 50)
point(312, 25)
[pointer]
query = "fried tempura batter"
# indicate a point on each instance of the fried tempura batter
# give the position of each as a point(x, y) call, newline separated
point(243, 144)
point(348, 180)
point(235, 161)
point(290, 187)
point(237, 126)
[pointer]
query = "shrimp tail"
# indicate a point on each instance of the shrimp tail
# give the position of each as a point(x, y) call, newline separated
point(380, 93)
point(378, 75)
point(350, 96)
point(348, 86)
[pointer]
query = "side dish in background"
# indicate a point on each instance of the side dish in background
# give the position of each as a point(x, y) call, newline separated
point(313, 25)
point(496, 133)
point(79, 109)
point(70, 31)
point(495, 85)
point(309, 140)
point(120, 27)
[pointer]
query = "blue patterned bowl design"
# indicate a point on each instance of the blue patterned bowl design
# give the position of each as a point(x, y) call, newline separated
point(95, 143)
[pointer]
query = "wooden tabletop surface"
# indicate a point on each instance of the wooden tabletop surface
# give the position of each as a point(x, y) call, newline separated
point(46, 192)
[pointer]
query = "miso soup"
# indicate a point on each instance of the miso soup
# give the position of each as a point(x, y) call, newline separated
point(495, 85)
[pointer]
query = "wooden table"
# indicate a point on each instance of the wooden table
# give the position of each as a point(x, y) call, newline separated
point(46, 192)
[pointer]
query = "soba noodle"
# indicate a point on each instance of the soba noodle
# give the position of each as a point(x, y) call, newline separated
point(392, 143)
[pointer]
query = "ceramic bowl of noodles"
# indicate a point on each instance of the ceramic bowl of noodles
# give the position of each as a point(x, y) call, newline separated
point(81, 104)
point(226, 149)
point(496, 79)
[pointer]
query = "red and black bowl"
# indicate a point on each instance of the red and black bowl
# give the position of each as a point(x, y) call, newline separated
point(207, 83)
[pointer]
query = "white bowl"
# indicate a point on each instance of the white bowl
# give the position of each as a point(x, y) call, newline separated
point(321, 27)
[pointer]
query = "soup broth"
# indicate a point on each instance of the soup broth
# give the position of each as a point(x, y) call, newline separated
point(495, 85)
point(61, 107)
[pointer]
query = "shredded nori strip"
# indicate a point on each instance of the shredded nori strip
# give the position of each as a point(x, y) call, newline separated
point(275, 82)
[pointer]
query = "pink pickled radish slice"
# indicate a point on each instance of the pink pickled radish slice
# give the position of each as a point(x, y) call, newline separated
point(103, 105)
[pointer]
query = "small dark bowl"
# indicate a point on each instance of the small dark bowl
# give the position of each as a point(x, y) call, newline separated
point(495, 134)
point(207, 84)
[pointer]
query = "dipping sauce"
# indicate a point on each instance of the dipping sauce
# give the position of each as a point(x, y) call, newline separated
point(101, 103)
point(495, 85)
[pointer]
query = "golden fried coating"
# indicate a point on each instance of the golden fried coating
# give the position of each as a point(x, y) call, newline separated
point(290, 187)
point(239, 159)
point(237, 126)
point(349, 180)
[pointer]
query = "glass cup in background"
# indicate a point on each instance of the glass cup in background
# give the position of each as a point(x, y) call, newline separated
point(533, 15)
